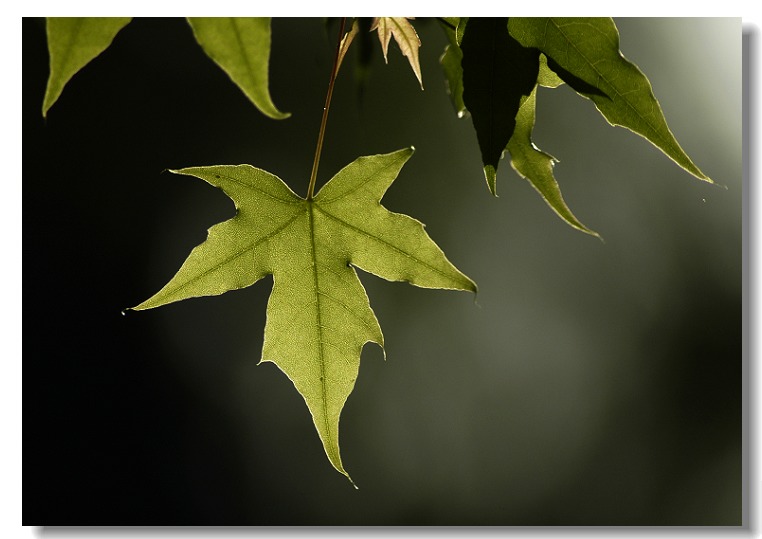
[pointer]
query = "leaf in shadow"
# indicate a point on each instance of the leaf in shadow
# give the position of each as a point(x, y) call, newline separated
point(497, 72)
point(577, 84)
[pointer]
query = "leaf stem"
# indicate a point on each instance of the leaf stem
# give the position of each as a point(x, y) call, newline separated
point(324, 121)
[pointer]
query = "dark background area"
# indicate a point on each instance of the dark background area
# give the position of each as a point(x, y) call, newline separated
point(590, 384)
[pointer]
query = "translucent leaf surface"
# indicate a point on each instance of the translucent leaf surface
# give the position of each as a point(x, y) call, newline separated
point(72, 43)
point(546, 76)
point(404, 35)
point(451, 65)
point(318, 315)
point(536, 166)
point(241, 47)
point(587, 52)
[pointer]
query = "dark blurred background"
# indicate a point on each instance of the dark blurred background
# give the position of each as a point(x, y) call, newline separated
point(590, 383)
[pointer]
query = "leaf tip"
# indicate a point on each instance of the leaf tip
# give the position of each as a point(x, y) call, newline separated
point(350, 480)
point(140, 307)
point(490, 174)
point(707, 179)
point(278, 115)
point(593, 233)
point(472, 287)
point(381, 345)
point(49, 99)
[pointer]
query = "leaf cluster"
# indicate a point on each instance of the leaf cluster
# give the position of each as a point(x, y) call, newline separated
point(318, 315)
point(240, 46)
point(495, 66)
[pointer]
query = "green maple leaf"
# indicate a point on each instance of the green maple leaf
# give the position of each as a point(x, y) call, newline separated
point(533, 164)
point(318, 315)
point(240, 46)
point(494, 78)
point(584, 52)
point(73, 42)
point(536, 166)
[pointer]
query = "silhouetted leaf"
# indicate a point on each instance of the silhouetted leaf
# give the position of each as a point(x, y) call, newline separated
point(497, 73)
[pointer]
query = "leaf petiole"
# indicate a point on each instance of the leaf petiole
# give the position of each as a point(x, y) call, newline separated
point(324, 121)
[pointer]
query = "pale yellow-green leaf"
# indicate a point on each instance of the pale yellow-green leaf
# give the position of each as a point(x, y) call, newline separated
point(406, 37)
point(241, 47)
point(318, 315)
point(460, 30)
point(72, 43)
point(547, 77)
point(536, 166)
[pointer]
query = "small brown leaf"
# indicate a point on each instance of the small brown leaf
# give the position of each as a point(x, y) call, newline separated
point(406, 37)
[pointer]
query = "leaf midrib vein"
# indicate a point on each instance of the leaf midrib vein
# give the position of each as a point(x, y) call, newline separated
point(321, 356)
point(239, 41)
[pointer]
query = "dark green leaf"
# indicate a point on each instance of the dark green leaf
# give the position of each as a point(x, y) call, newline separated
point(497, 73)
point(579, 85)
